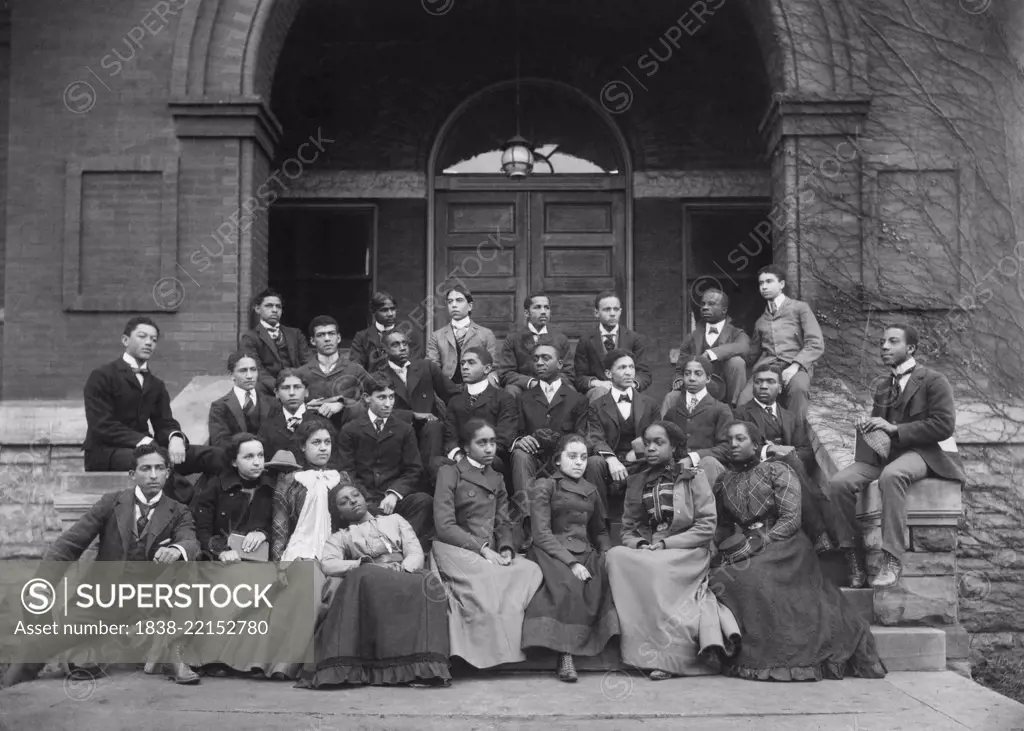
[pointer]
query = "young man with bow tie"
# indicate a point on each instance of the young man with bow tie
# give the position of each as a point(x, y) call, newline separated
point(447, 345)
point(274, 345)
point(787, 440)
point(422, 391)
point(515, 362)
point(913, 408)
point(548, 409)
point(127, 406)
point(615, 422)
point(241, 409)
point(610, 335)
point(722, 343)
point(368, 349)
point(788, 335)
point(135, 524)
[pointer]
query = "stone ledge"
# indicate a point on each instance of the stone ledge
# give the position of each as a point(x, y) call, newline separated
point(930, 502)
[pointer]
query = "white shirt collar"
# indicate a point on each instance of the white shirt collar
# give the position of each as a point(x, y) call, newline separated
point(766, 407)
point(268, 326)
point(332, 361)
point(374, 419)
point(240, 395)
point(477, 388)
point(141, 497)
point(474, 462)
point(134, 363)
point(381, 328)
point(461, 324)
point(717, 325)
point(605, 332)
point(535, 331)
point(902, 368)
point(778, 301)
point(398, 368)
point(616, 393)
point(550, 389)
point(299, 412)
point(696, 398)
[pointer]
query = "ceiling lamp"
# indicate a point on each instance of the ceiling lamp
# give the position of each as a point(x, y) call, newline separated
point(517, 157)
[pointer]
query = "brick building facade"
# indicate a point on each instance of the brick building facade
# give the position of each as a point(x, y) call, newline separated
point(174, 157)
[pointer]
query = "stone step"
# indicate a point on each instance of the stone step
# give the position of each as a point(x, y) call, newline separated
point(902, 649)
point(92, 483)
point(862, 600)
point(911, 648)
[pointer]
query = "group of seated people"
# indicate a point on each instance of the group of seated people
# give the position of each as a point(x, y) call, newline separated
point(458, 505)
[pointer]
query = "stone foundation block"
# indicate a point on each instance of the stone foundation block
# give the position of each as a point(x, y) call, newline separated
point(918, 600)
point(933, 538)
point(929, 564)
point(930, 502)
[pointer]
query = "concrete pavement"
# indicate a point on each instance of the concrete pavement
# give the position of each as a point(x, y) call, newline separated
point(127, 701)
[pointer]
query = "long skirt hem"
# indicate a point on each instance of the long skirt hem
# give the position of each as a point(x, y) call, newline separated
point(395, 671)
point(574, 639)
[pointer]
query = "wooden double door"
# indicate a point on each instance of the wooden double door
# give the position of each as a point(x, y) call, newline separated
point(504, 245)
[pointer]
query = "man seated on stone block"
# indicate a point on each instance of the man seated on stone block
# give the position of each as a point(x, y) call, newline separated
point(334, 384)
point(609, 335)
point(241, 409)
point(615, 422)
point(135, 524)
point(274, 345)
point(127, 406)
point(723, 344)
point(908, 437)
point(516, 359)
point(786, 439)
point(788, 335)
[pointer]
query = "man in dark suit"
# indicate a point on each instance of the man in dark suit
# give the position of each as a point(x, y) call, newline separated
point(914, 408)
point(127, 406)
point(786, 439)
point(547, 410)
point(135, 524)
point(615, 423)
point(703, 419)
point(274, 345)
point(241, 409)
point(722, 343)
point(516, 360)
point(481, 400)
point(609, 336)
point(379, 452)
point(334, 385)
point(368, 349)
point(420, 389)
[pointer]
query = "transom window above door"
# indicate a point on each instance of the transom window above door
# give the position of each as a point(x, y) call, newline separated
point(567, 137)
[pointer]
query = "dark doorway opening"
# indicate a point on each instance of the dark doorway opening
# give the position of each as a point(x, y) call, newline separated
point(724, 244)
point(322, 259)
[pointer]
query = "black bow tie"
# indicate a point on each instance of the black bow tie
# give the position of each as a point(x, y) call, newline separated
point(713, 331)
point(625, 399)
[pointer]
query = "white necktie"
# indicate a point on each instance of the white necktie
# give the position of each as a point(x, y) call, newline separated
point(692, 399)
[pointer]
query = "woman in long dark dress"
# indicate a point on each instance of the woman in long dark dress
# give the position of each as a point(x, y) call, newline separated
point(572, 613)
point(381, 627)
point(795, 623)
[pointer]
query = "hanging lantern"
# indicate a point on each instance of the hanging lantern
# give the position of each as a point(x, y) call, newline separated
point(516, 158)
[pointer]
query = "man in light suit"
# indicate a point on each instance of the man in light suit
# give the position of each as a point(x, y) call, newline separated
point(914, 407)
point(274, 345)
point(241, 409)
point(723, 344)
point(609, 336)
point(446, 346)
point(136, 524)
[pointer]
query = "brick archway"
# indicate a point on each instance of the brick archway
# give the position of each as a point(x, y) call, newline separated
point(228, 49)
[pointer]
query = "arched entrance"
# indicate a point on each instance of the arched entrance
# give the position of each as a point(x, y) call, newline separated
point(564, 230)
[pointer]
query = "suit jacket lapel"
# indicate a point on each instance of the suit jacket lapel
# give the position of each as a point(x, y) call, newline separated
point(125, 512)
point(413, 376)
point(268, 341)
point(401, 389)
point(610, 408)
point(913, 383)
point(157, 522)
point(471, 474)
point(449, 335)
point(129, 376)
point(236, 409)
point(639, 411)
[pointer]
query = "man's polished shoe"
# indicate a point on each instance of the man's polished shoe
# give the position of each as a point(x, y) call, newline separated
point(889, 575)
point(857, 575)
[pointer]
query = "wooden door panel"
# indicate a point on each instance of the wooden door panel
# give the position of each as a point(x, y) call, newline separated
point(577, 246)
point(480, 242)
